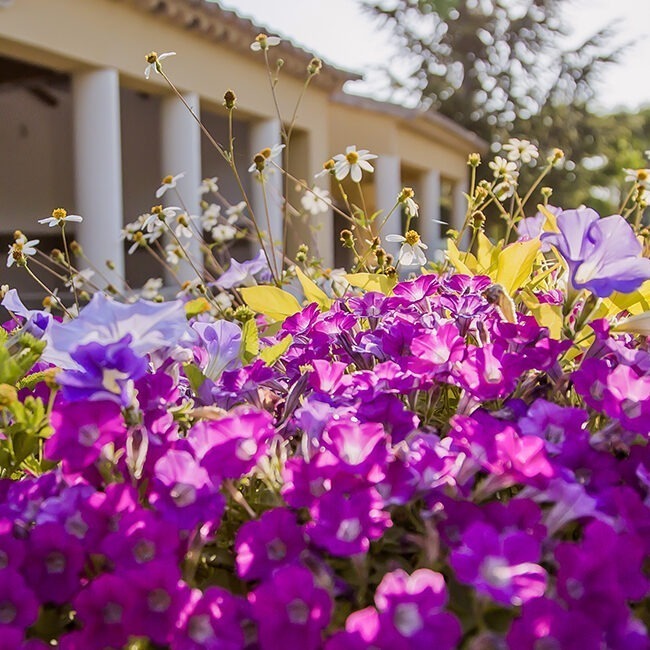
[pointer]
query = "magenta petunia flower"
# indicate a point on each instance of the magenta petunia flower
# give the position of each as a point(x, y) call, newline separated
point(18, 604)
point(264, 544)
point(345, 520)
point(503, 566)
point(183, 492)
point(105, 610)
point(291, 611)
point(81, 429)
point(56, 559)
point(213, 620)
point(603, 255)
point(411, 611)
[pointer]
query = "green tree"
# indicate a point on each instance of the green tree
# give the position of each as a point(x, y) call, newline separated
point(501, 69)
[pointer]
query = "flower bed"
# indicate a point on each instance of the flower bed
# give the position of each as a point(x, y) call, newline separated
point(456, 460)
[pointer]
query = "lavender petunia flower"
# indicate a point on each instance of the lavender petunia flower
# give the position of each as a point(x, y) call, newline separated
point(603, 255)
point(219, 347)
point(152, 326)
point(245, 274)
point(36, 321)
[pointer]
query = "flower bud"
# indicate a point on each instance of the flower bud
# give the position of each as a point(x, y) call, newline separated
point(229, 99)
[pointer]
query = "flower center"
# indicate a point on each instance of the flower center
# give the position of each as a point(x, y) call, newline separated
point(407, 619)
point(199, 629)
point(112, 613)
point(152, 57)
point(144, 551)
point(7, 612)
point(298, 611)
point(59, 214)
point(352, 157)
point(266, 152)
point(349, 530)
point(88, 435)
point(412, 238)
point(55, 562)
point(159, 600)
point(183, 494)
point(276, 549)
point(168, 180)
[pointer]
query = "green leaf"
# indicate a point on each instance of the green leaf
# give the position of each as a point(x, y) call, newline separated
point(250, 341)
point(194, 375)
point(196, 307)
point(372, 282)
point(312, 292)
point(515, 264)
point(270, 301)
point(271, 354)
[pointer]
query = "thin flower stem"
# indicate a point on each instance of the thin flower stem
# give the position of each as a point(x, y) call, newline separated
point(48, 290)
point(161, 260)
point(68, 262)
point(533, 187)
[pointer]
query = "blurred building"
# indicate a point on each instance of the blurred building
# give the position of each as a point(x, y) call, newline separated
point(82, 128)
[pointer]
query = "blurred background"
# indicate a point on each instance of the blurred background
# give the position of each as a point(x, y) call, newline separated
point(565, 73)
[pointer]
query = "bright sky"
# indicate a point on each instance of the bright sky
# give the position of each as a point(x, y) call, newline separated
point(342, 34)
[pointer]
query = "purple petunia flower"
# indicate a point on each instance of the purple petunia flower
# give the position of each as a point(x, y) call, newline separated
point(105, 609)
point(56, 559)
point(410, 611)
point(345, 521)
point(107, 372)
point(603, 255)
point(264, 544)
point(18, 605)
point(503, 566)
point(81, 429)
point(213, 620)
point(291, 610)
point(183, 492)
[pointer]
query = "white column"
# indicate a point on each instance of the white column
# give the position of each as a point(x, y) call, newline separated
point(459, 207)
point(181, 152)
point(388, 185)
point(98, 168)
point(267, 197)
point(430, 230)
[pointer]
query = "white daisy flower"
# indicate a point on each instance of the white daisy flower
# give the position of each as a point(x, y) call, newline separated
point(20, 249)
point(168, 183)
point(173, 254)
point(224, 300)
point(263, 42)
point(59, 217)
point(405, 197)
point(412, 250)
point(523, 150)
point(153, 59)
point(264, 156)
point(315, 201)
point(503, 168)
point(210, 216)
point(640, 176)
point(223, 233)
point(352, 162)
point(209, 185)
point(234, 212)
point(151, 288)
point(80, 279)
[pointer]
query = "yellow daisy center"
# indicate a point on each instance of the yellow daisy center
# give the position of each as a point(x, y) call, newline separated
point(266, 152)
point(59, 214)
point(352, 157)
point(152, 57)
point(412, 238)
point(167, 180)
